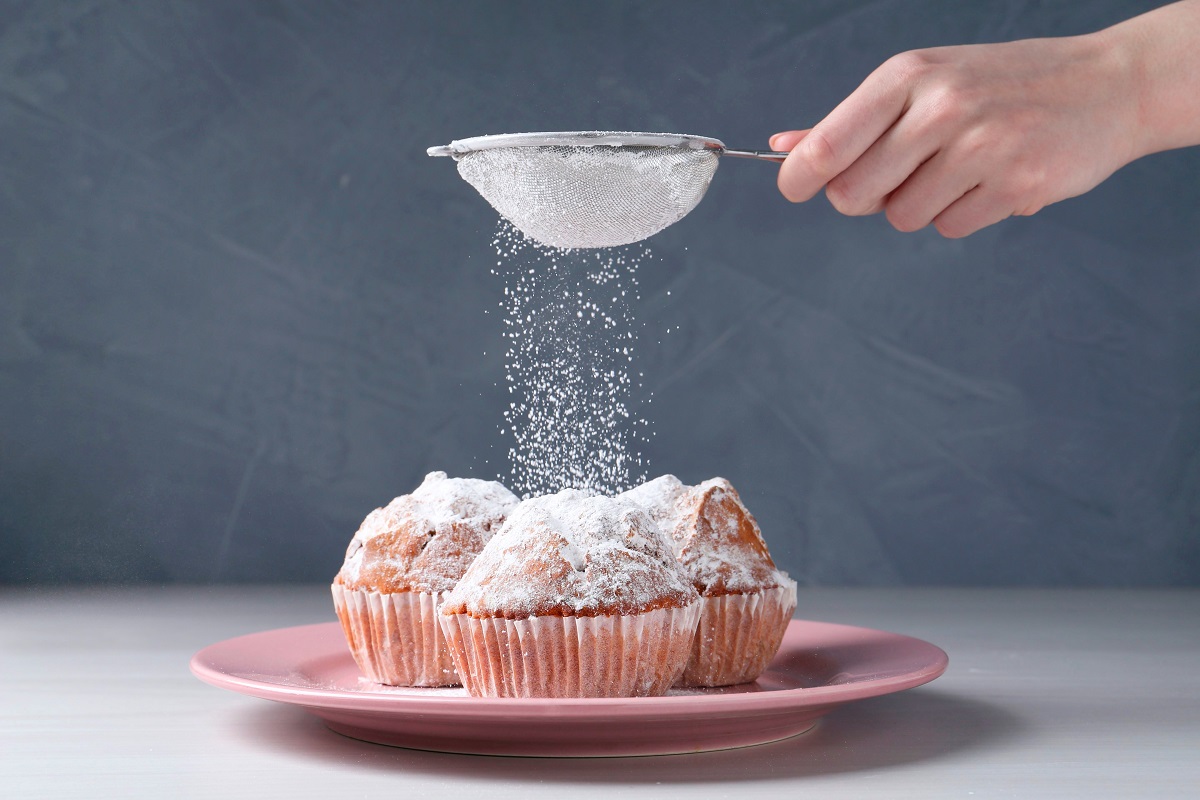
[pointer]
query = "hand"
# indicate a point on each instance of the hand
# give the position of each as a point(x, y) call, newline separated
point(963, 137)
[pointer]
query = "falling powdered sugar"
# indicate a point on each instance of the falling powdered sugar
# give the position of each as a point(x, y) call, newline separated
point(570, 371)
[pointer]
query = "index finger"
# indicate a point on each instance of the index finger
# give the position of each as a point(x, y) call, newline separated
point(837, 141)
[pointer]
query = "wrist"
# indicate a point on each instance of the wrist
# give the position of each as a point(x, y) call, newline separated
point(1121, 54)
point(1160, 61)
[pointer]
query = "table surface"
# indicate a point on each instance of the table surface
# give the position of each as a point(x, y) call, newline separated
point(1062, 693)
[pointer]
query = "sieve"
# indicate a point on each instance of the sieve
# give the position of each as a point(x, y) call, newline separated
point(591, 188)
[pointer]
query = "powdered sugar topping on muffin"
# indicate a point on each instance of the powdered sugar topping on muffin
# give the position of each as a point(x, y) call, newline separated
point(571, 554)
point(424, 541)
point(713, 535)
point(658, 498)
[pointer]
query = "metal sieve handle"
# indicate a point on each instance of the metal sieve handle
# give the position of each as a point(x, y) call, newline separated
point(762, 155)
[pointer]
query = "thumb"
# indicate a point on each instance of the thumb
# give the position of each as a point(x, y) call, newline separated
point(784, 141)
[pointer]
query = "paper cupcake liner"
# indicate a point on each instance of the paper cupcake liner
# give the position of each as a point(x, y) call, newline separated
point(396, 638)
point(738, 635)
point(638, 655)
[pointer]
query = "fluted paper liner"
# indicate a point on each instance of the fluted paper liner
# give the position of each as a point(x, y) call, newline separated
point(395, 638)
point(738, 635)
point(636, 655)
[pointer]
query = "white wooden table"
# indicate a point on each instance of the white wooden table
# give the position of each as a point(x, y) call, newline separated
point(1049, 694)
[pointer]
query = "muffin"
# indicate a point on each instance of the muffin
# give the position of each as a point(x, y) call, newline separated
point(575, 596)
point(746, 603)
point(400, 563)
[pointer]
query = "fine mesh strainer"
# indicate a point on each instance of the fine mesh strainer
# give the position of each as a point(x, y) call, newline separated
point(591, 188)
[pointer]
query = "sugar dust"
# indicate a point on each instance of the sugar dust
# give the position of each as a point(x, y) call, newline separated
point(570, 365)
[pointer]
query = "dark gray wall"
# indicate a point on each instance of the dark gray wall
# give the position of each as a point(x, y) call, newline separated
point(239, 307)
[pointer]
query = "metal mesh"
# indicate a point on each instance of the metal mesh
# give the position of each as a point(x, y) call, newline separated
point(590, 196)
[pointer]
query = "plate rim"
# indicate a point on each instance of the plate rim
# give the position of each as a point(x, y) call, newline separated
point(205, 668)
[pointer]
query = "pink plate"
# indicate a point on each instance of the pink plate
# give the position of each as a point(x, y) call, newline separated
point(819, 667)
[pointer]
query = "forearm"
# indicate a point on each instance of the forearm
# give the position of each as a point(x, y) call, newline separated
point(1162, 50)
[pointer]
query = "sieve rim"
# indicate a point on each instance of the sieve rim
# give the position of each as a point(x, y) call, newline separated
point(461, 147)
